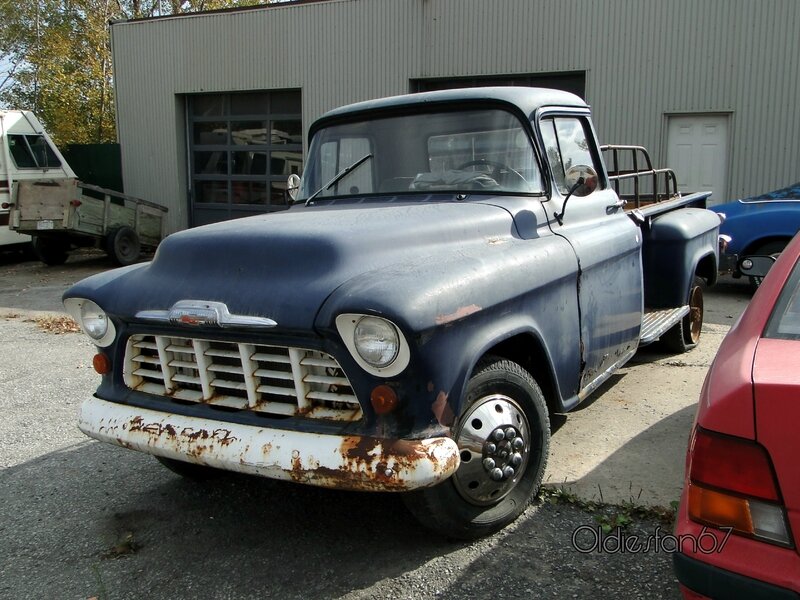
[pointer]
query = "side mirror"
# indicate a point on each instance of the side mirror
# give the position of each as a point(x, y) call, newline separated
point(581, 180)
point(293, 186)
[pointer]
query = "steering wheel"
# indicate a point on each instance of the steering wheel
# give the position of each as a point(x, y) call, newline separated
point(499, 168)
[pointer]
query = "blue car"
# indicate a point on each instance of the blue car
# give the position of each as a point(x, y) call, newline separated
point(761, 225)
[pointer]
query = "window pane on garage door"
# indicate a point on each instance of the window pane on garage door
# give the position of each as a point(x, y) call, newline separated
point(242, 148)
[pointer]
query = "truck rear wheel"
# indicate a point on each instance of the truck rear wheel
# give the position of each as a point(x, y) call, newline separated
point(50, 251)
point(123, 246)
point(685, 334)
point(503, 436)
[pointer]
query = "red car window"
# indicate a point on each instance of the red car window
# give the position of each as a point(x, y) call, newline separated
point(784, 323)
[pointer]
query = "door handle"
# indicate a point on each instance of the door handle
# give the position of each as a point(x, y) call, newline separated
point(618, 204)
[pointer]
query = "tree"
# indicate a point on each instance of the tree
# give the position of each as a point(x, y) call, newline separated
point(55, 59)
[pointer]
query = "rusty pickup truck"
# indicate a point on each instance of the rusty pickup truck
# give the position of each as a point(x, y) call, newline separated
point(456, 266)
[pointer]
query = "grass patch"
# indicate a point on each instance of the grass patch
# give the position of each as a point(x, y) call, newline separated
point(609, 516)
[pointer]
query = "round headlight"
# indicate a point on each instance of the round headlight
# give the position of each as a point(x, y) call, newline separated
point(93, 320)
point(376, 341)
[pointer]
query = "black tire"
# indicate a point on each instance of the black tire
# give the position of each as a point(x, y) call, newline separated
point(50, 251)
point(685, 334)
point(28, 252)
point(190, 470)
point(463, 507)
point(773, 248)
point(123, 246)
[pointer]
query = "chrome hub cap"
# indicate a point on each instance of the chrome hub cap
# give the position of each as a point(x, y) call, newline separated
point(493, 438)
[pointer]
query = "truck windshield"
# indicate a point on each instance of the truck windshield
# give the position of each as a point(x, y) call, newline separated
point(470, 151)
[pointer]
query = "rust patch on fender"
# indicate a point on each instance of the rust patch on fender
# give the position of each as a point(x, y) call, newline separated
point(462, 312)
point(442, 411)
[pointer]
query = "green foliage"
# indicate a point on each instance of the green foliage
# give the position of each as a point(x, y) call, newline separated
point(56, 55)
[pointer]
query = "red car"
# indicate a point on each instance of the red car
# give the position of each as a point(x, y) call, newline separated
point(738, 525)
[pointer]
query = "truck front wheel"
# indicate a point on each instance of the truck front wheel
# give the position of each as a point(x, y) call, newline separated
point(503, 435)
point(774, 249)
point(189, 470)
point(685, 334)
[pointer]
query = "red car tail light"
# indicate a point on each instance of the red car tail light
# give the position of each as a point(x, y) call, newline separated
point(733, 464)
point(732, 484)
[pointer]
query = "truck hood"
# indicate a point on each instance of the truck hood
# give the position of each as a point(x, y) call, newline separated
point(284, 266)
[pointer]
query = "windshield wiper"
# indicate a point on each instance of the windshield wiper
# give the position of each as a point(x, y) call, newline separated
point(339, 176)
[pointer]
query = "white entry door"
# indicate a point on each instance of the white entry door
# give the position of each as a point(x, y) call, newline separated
point(697, 150)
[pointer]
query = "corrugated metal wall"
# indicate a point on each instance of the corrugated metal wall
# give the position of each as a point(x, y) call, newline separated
point(644, 59)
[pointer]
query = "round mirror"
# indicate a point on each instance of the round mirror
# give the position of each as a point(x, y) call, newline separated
point(293, 186)
point(581, 180)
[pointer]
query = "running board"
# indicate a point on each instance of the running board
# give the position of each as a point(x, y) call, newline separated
point(656, 323)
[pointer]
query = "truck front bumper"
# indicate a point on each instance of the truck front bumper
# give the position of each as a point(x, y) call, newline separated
point(343, 462)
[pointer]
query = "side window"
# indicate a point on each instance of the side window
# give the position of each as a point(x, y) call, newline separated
point(31, 152)
point(567, 144)
point(336, 155)
point(20, 152)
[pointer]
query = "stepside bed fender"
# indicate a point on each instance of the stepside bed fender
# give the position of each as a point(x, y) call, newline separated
point(675, 245)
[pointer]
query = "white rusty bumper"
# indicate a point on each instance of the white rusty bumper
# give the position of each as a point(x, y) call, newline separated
point(345, 462)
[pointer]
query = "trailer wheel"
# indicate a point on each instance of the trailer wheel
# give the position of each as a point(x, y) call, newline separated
point(50, 251)
point(503, 435)
point(190, 470)
point(123, 246)
point(685, 334)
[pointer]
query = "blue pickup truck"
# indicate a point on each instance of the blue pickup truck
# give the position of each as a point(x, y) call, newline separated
point(456, 267)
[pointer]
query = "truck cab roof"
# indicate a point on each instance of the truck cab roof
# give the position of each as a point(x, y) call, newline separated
point(526, 99)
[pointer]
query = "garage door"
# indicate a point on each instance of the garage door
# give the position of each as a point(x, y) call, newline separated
point(242, 148)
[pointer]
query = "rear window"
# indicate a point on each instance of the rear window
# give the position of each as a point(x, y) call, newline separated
point(785, 320)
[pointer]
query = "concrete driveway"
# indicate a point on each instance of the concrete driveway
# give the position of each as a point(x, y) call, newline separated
point(80, 519)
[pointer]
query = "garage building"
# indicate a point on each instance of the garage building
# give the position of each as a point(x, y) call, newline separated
point(213, 108)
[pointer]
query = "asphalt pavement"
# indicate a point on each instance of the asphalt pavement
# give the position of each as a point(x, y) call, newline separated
point(81, 519)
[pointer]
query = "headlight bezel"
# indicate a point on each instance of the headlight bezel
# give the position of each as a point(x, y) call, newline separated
point(347, 323)
point(82, 309)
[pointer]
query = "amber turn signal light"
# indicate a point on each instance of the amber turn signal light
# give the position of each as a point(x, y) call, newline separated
point(719, 509)
point(384, 399)
point(101, 363)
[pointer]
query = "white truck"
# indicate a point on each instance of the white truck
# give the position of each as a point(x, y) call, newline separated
point(27, 153)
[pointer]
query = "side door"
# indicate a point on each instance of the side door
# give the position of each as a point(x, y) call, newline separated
point(606, 242)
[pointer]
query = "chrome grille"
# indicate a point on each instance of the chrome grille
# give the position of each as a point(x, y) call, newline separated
point(267, 379)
